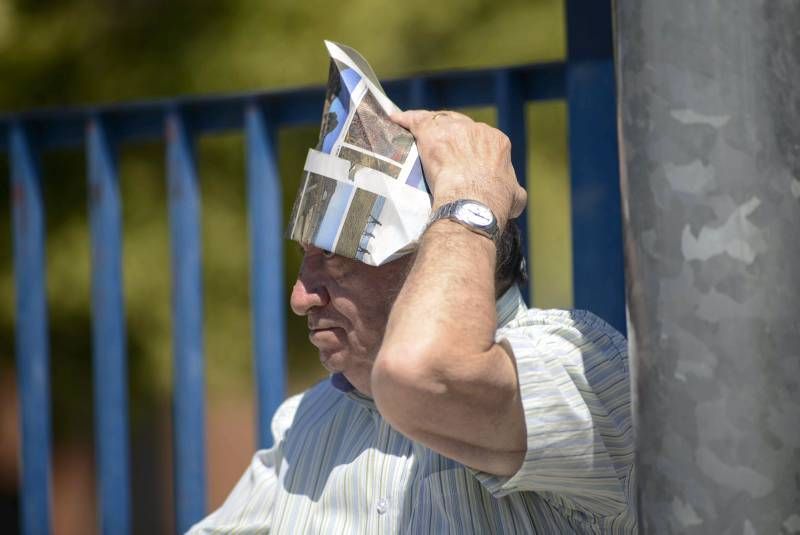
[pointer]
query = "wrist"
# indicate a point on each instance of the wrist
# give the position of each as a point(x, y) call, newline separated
point(446, 234)
point(471, 214)
point(499, 209)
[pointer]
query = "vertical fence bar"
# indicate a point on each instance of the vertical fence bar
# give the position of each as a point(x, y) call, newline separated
point(187, 317)
point(420, 96)
point(598, 267)
point(265, 203)
point(33, 364)
point(511, 120)
point(108, 328)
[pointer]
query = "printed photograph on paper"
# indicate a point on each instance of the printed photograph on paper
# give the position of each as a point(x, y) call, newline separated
point(362, 217)
point(359, 61)
point(372, 130)
point(311, 206)
point(342, 83)
point(359, 159)
point(336, 216)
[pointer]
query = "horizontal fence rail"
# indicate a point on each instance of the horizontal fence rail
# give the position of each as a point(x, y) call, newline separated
point(145, 120)
point(587, 87)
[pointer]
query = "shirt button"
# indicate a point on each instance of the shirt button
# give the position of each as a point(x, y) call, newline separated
point(382, 506)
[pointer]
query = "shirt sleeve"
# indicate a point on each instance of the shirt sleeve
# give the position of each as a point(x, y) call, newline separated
point(573, 379)
point(248, 508)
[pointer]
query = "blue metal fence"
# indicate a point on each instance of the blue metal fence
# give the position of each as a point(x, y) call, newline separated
point(110, 369)
point(585, 81)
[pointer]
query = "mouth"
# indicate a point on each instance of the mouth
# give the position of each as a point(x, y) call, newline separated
point(322, 333)
point(328, 341)
point(321, 329)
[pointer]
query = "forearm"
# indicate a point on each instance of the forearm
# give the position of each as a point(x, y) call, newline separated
point(446, 307)
point(448, 300)
point(439, 378)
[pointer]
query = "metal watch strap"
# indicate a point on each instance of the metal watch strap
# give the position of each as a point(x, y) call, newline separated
point(448, 211)
point(445, 211)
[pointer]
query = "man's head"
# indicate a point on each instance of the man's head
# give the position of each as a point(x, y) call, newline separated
point(510, 267)
point(347, 303)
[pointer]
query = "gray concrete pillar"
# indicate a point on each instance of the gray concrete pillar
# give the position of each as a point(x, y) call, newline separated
point(709, 115)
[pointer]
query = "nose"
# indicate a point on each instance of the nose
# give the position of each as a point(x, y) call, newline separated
point(309, 290)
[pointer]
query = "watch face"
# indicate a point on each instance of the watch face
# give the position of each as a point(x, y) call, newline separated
point(476, 214)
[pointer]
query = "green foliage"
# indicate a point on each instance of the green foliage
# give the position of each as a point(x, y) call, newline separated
point(59, 53)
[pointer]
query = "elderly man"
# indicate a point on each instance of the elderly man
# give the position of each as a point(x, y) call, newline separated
point(451, 407)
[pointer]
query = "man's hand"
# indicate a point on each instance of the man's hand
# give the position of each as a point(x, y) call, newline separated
point(439, 377)
point(463, 159)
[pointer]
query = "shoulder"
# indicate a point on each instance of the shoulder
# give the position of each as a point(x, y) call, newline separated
point(570, 335)
point(582, 356)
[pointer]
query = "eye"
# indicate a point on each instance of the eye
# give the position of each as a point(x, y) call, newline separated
point(327, 254)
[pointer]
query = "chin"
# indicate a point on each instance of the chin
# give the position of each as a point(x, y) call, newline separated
point(331, 345)
point(336, 354)
point(344, 361)
point(333, 361)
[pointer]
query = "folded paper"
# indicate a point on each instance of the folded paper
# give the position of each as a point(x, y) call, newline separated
point(363, 194)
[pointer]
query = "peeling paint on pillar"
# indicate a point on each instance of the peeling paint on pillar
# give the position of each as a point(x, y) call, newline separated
point(709, 115)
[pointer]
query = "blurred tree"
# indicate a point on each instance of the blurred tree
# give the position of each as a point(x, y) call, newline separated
point(58, 53)
point(72, 52)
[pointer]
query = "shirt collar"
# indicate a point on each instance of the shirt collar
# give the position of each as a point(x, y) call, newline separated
point(508, 307)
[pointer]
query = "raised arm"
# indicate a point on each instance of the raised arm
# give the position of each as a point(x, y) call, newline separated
point(439, 377)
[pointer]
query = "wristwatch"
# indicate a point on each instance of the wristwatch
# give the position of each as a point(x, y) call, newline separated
point(474, 215)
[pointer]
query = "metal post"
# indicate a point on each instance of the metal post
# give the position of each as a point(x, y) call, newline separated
point(710, 144)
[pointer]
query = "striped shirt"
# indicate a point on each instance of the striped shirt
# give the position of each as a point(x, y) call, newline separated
point(337, 467)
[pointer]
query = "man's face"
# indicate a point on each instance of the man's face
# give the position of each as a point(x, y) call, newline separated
point(347, 304)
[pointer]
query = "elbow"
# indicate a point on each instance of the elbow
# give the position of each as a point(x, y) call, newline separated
point(408, 366)
point(401, 382)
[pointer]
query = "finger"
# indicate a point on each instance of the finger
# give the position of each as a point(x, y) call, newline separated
point(442, 116)
point(458, 116)
point(414, 119)
point(411, 119)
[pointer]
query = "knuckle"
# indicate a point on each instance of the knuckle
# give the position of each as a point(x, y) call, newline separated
point(503, 140)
